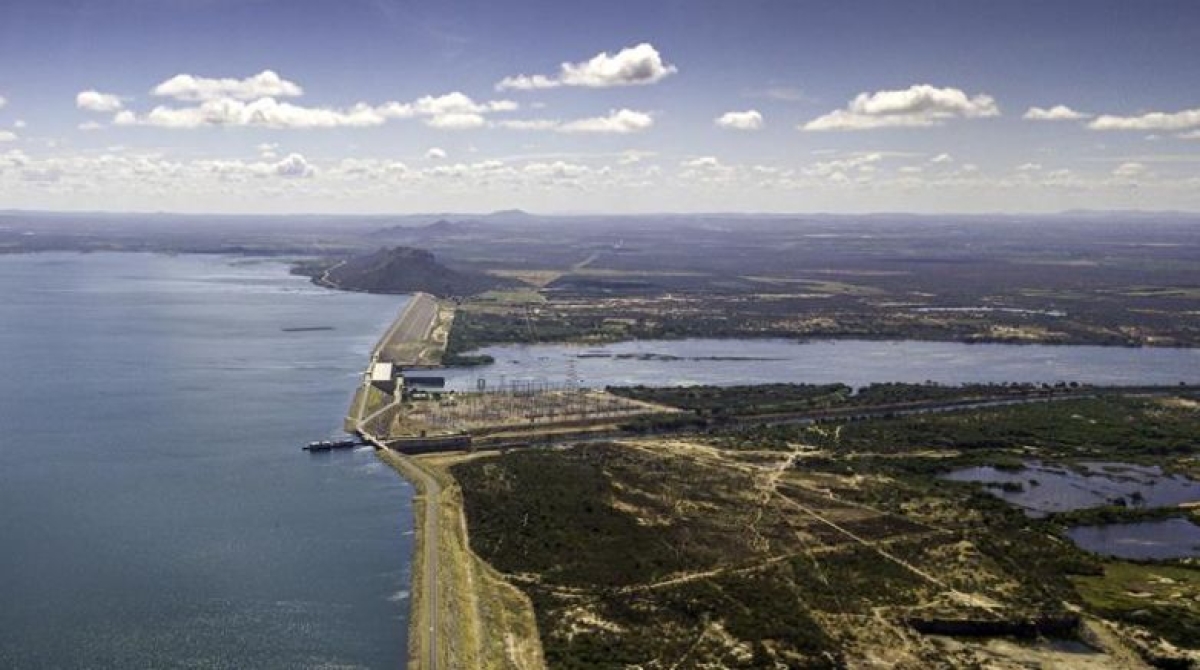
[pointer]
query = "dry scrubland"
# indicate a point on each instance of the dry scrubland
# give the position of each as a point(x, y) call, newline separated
point(497, 413)
point(974, 281)
point(829, 545)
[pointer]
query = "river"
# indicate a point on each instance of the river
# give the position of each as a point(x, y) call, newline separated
point(854, 362)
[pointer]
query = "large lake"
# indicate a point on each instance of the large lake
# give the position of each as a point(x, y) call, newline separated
point(854, 362)
point(155, 507)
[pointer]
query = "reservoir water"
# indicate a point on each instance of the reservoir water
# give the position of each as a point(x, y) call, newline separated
point(155, 507)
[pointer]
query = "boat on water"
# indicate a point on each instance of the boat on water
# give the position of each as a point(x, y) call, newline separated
point(326, 445)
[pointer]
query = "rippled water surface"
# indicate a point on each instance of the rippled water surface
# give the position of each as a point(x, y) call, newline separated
point(1042, 488)
point(854, 362)
point(1169, 538)
point(155, 507)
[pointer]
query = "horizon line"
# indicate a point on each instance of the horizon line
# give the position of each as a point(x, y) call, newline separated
point(517, 212)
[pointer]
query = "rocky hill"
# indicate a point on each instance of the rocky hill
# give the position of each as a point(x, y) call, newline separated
point(406, 270)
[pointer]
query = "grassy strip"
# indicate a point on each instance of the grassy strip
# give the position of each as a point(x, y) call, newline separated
point(419, 587)
point(486, 622)
point(1161, 598)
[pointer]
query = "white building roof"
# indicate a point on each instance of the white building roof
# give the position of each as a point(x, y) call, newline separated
point(381, 372)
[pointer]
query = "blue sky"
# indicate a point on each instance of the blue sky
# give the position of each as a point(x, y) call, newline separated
point(793, 106)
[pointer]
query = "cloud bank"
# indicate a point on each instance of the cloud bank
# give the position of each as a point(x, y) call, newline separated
point(452, 111)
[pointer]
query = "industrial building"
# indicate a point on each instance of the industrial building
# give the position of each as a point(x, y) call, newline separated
point(383, 377)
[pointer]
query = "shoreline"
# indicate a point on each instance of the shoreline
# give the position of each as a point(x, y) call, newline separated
point(422, 643)
point(810, 338)
point(457, 598)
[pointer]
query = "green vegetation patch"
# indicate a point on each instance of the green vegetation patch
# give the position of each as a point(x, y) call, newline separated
point(1163, 598)
point(766, 399)
point(1112, 427)
point(599, 515)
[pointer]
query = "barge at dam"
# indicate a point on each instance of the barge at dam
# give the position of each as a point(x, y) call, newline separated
point(327, 445)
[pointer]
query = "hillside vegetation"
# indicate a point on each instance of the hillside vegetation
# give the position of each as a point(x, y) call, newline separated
point(408, 270)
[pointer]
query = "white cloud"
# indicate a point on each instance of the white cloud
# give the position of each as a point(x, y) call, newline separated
point(618, 121)
point(780, 93)
point(294, 166)
point(265, 112)
point(558, 173)
point(702, 162)
point(95, 101)
point(8, 136)
point(1029, 167)
point(839, 168)
point(450, 111)
point(88, 126)
point(19, 124)
point(708, 170)
point(637, 65)
point(942, 158)
point(455, 103)
point(190, 88)
point(523, 82)
point(13, 158)
point(1130, 170)
point(747, 120)
point(3, 102)
point(631, 156)
point(1184, 120)
point(435, 154)
point(1193, 135)
point(1055, 113)
point(529, 124)
point(917, 106)
point(456, 121)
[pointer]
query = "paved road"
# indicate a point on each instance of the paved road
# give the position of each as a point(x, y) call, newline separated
point(428, 617)
point(326, 280)
point(433, 498)
point(412, 326)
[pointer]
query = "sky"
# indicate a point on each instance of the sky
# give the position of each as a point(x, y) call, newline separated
point(390, 106)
